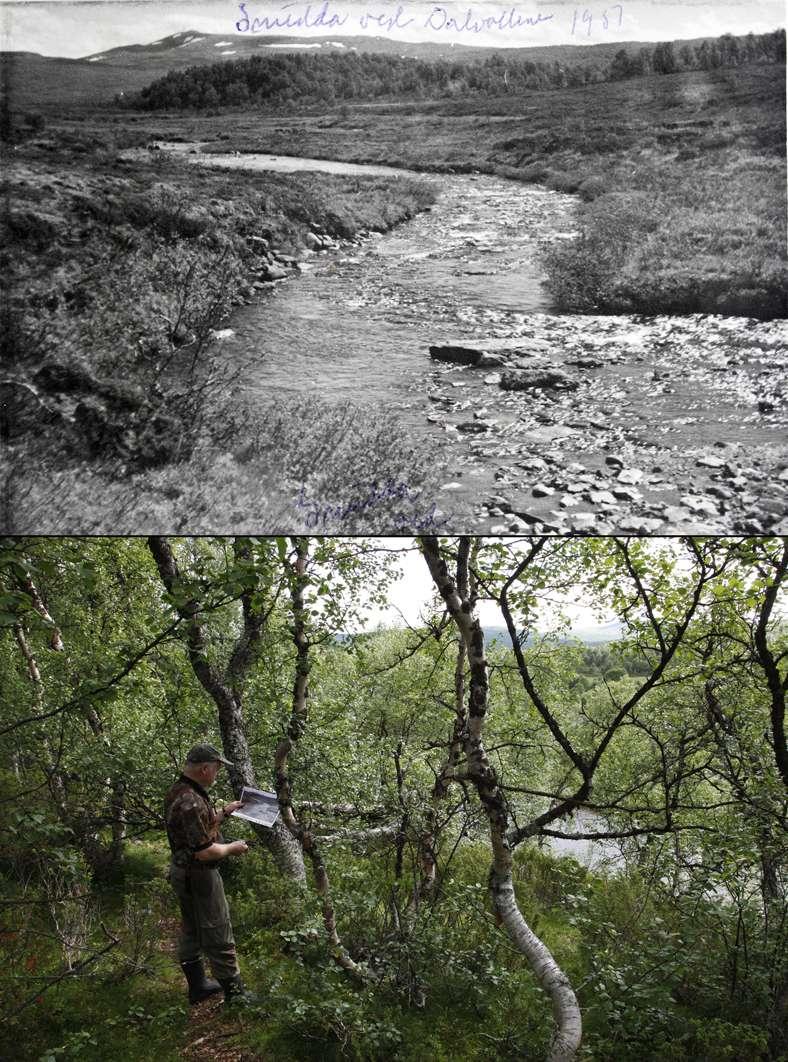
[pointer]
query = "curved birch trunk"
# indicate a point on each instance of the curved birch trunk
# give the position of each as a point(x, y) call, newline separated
point(566, 1011)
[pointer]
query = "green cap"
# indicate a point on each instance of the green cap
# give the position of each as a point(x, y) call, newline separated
point(206, 754)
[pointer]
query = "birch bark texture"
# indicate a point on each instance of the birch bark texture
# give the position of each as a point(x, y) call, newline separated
point(567, 1033)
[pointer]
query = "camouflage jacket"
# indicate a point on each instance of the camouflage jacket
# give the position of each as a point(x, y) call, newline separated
point(192, 821)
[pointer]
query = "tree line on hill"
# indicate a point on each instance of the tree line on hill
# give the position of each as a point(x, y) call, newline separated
point(284, 79)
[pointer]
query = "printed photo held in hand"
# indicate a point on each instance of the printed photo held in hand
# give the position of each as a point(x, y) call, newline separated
point(257, 806)
point(527, 259)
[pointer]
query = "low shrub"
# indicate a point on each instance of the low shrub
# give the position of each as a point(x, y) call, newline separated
point(561, 182)
point(656, 249)
point(306, 466)
point(592, 188)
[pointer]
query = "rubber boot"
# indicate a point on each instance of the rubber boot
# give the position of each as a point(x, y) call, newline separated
point(200, 986)
point(235, 991)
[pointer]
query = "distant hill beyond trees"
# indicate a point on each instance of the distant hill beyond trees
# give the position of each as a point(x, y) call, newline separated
point(290, 78)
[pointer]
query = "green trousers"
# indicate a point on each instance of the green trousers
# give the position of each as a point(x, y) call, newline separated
point(205, 918)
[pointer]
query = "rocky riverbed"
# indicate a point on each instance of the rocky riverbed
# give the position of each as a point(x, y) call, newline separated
point(543, 421)
point(620, 424)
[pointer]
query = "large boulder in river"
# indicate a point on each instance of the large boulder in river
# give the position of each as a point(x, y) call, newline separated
point(537, 379)
point(457, 355)
point(491, 361)
point(489, 353)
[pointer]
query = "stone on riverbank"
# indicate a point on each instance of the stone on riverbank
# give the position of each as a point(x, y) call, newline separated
point(491, 353)
point(272, 272)
point(537, 379)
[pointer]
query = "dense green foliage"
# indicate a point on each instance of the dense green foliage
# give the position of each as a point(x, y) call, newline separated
point(284, 79)
point(674, 938)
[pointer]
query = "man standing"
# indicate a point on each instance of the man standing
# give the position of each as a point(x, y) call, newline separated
point(197, 848)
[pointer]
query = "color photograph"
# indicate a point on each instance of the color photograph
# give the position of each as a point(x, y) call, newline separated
point(381, 799)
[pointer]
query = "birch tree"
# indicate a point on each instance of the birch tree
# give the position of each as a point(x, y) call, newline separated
point(481, 773)
point(224, 681)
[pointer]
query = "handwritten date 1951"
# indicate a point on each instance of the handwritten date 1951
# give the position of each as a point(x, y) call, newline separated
point(588, 21)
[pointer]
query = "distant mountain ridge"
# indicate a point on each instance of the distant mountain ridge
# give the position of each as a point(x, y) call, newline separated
point(607, 632)
point(34, 80)
point(189, 47)
point(600, 635)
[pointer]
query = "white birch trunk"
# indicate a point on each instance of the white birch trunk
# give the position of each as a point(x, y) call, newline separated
point(566, 1010)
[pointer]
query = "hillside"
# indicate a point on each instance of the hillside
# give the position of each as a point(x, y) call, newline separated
point(286, 78)
point(588, 635)
point(52, 83)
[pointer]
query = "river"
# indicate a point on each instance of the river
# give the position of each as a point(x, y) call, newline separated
point(657, 434)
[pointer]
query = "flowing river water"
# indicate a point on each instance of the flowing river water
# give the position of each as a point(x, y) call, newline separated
point(665, 415)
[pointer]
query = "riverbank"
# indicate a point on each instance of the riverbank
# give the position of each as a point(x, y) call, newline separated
point(118, 273)
point(549, 422)
point(682, 176)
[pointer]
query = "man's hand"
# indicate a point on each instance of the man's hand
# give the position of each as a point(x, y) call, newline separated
point(235, 848)
point(228, 809)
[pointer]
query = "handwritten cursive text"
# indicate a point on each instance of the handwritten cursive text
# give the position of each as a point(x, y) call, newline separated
point(322, 515)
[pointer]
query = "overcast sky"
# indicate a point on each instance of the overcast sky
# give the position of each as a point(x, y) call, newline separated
point(61, 27)
point(410, 594)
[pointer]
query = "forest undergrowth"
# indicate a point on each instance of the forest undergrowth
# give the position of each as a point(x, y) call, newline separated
point(654, 971)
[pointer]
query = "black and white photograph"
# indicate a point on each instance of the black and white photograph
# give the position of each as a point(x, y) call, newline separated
point(257, 806)
point(411, 267)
